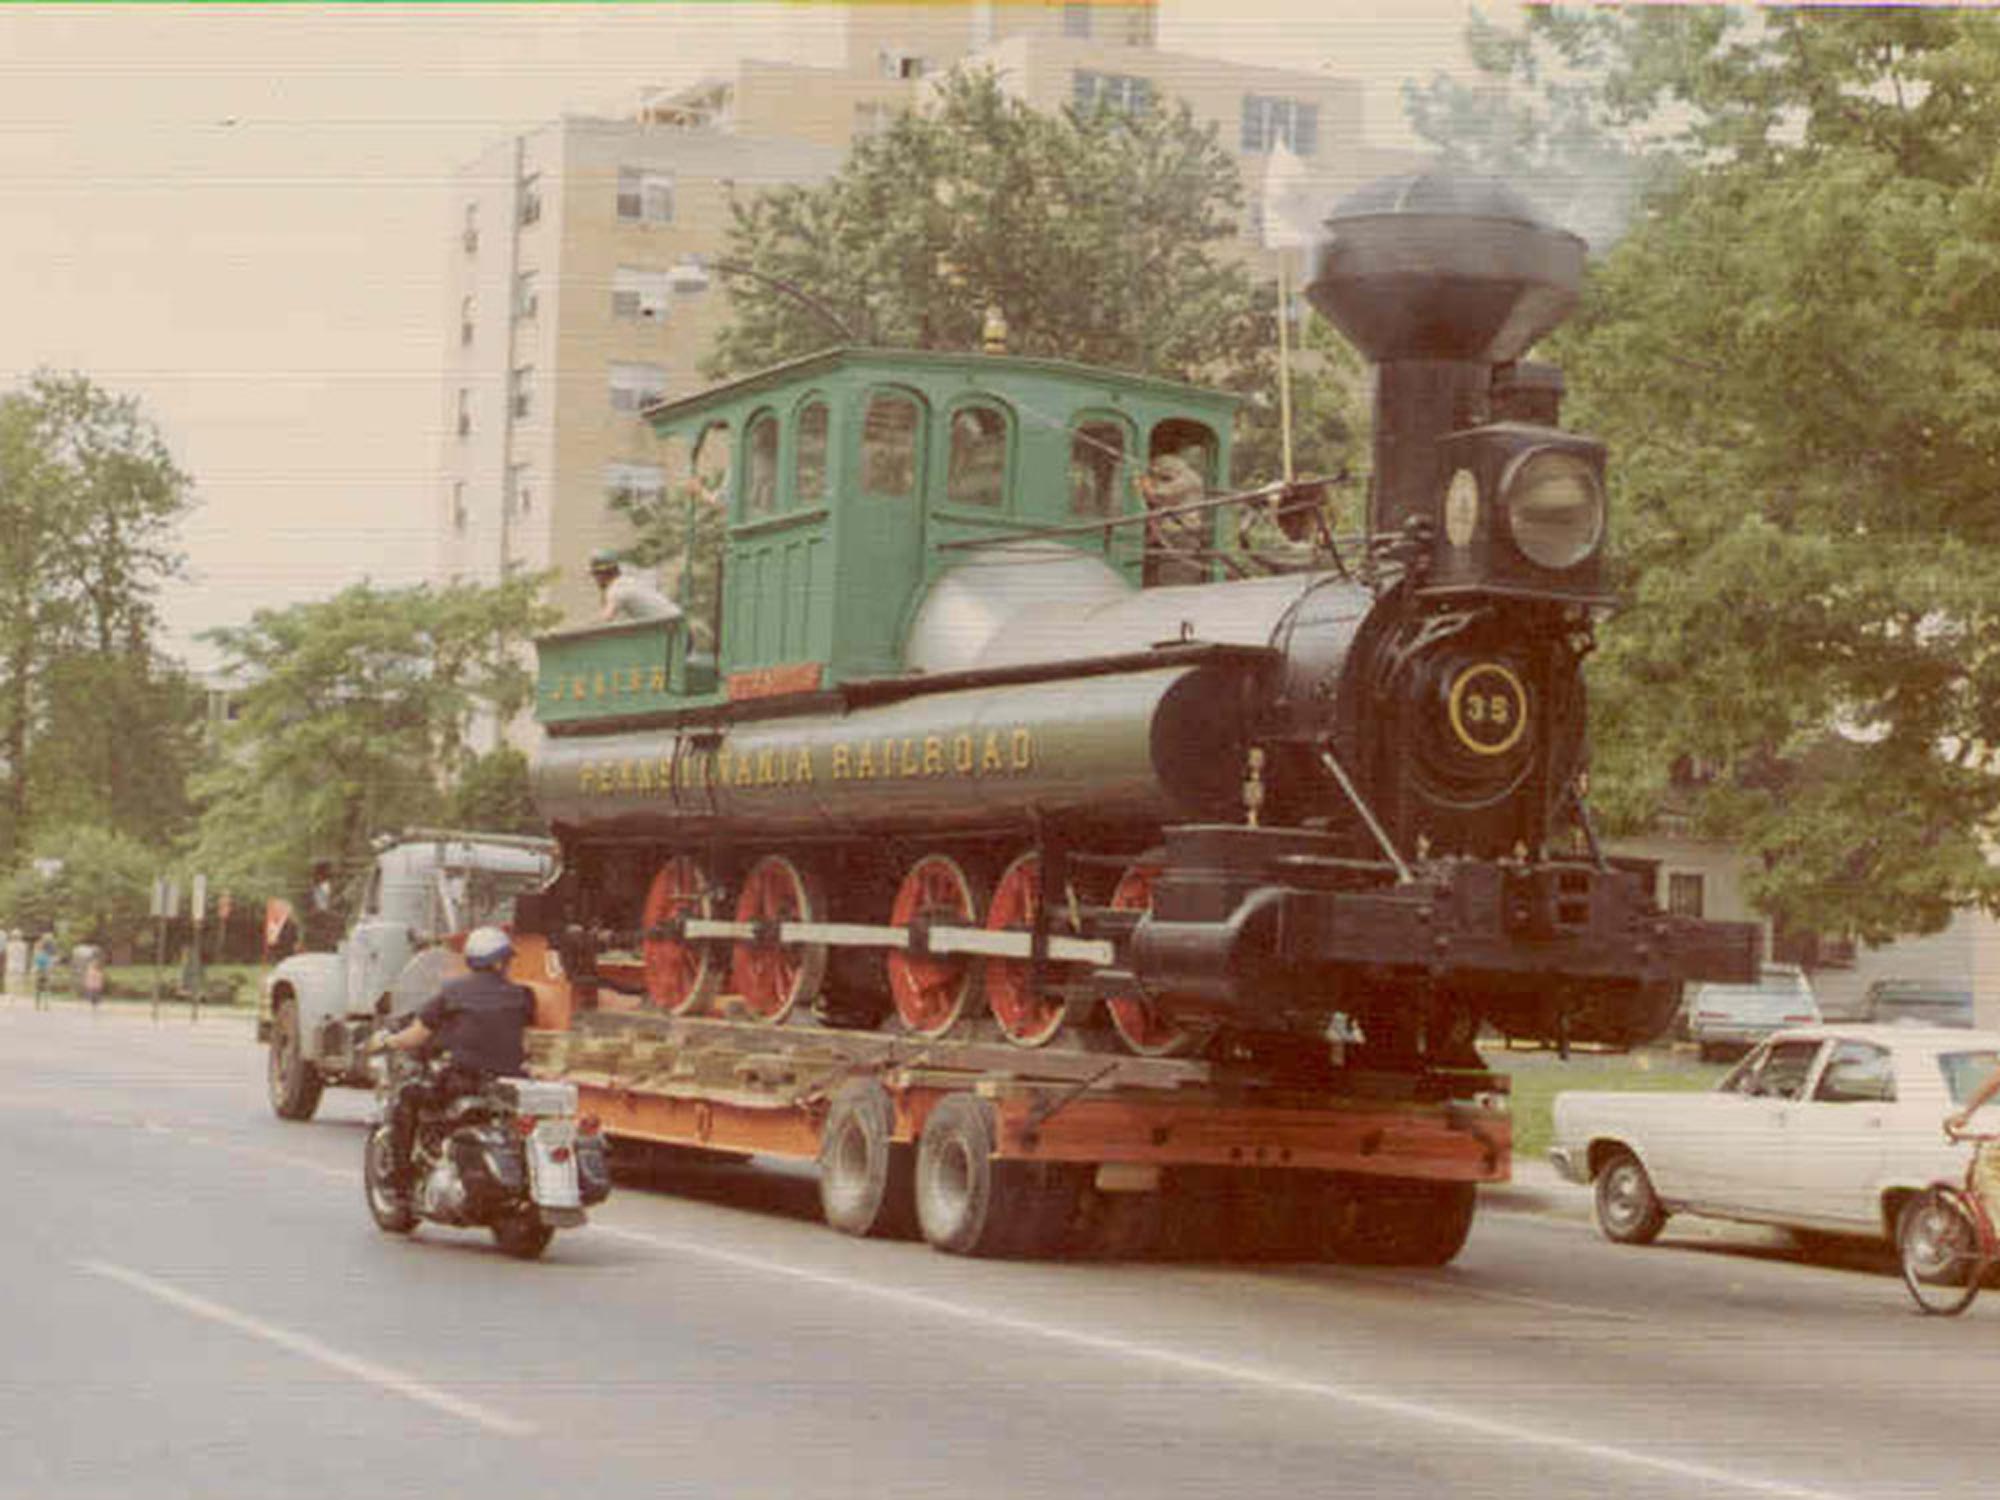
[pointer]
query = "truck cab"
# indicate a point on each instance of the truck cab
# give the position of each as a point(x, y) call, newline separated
point(423, 891)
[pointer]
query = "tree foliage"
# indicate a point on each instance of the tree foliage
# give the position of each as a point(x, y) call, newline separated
point(353, 719)
point(1795, 356)
point(84, 883)
point(93, 724)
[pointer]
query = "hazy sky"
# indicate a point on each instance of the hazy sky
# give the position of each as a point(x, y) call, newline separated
point(240, 215)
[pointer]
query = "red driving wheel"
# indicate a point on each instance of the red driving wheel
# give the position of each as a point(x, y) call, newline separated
point(1028, 1018)
point(933, 991)
point(1141, 1025)
point(774, 980)
point(681, 976)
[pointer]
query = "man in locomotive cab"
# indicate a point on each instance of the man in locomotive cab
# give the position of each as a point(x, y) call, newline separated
point(1176, 544)
point(624, 598)
point(477, 1023)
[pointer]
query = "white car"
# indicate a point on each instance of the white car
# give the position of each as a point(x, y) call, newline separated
point(1727, 1019)
point(1826, 1129)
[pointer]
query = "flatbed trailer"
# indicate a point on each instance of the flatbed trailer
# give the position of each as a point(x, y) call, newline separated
point(984, 1147)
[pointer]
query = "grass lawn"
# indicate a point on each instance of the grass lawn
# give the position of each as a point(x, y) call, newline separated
point(1539, 1076)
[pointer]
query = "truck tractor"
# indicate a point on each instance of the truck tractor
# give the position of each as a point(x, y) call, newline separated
point(318, 1010)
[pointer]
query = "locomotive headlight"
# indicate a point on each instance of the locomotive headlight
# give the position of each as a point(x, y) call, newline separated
point(1554, 507)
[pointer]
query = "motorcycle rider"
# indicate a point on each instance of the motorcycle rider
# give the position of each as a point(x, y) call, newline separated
point(477, 1022)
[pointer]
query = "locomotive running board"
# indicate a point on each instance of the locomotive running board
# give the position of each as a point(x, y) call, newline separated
point(935, 938)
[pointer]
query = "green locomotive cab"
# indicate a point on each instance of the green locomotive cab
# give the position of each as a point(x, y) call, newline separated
point(820, 499)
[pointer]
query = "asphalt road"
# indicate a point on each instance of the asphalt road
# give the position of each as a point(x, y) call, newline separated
point(193, 1302)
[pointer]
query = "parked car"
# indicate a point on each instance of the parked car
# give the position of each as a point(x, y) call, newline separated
point(1823, 1128)
point(1932, 1002)
point(1727, 1019)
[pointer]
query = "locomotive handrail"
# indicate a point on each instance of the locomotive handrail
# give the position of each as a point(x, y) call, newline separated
point(1332, 763)
point(1269, 491)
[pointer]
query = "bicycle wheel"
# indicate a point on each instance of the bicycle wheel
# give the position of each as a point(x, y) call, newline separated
point(1937, 1244)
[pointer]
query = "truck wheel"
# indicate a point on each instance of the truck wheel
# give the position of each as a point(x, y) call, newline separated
point(390, 1205)
point(867, 1181)
point(293, 1083)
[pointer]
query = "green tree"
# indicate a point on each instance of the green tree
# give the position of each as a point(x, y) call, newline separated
point(353, 719)
point(89, 502)
point(87, 883)
point(1792, 354)
point(495, 794)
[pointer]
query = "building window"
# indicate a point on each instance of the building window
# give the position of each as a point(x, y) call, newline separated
point(760, 467)
point(531, 198)
point(638, 294)
point(469, 236)
point(1076, 19)
point(459, 514)
point(527, 295)
point(645, 197)
point(1096, 459)
point(1684, 894)
point(634, 387)
point(1125, 92)
point(521, 390)
point(889, 448)
point(976, 467)
point(1269, 121)
point(465, 308)
point(635, 484)
point(520, 490)
point(464, 412)
point(1142, 25)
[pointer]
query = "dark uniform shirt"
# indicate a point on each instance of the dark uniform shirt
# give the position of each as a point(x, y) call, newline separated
point(479, 1020)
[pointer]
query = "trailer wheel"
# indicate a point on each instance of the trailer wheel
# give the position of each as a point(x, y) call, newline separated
point(293, 1083)
point(1394, 1222)
point(970, 1204)
point(867, 1180)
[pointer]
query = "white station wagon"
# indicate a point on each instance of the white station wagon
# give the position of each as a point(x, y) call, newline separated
point(1825, 1129)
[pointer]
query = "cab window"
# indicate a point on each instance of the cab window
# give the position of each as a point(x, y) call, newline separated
point(809, 462)
point(976, 472)
point(1096, 462)
point(760, 467)
point(889, 447)
point(1777, 1070)
point(1183, 442)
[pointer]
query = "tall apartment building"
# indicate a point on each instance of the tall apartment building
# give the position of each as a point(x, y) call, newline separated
point(572, 302)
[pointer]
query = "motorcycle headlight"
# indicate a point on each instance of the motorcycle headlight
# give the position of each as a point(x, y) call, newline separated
point(1554, 507)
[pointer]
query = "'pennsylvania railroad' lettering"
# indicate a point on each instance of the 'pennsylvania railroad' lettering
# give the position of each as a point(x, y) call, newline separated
point(993, 752)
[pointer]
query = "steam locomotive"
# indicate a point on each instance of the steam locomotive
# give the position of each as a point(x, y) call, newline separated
point(965, 734)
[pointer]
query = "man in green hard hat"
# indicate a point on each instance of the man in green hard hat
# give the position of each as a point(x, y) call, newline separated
point(627, 598)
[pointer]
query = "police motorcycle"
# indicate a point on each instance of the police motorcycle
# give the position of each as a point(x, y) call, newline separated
point(510, 1155)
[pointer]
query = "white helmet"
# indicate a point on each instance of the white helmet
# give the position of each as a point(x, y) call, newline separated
point(487, 948)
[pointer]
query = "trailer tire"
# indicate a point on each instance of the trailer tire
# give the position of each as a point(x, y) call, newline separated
point(970, 1204)
point(293, 1083)
point(1402, 1223)
point(867, 1179)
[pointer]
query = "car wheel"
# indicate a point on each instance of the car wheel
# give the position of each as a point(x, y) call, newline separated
point(1628, 1211)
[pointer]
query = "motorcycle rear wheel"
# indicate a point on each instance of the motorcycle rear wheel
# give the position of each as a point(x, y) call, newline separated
point(389, 1204)
point(522, 1235)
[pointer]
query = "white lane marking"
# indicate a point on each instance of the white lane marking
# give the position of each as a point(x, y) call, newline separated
point(1243, 1374)
point(361, 1369)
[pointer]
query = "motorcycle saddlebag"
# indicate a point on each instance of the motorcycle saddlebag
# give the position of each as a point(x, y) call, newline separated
point(490, 1166)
